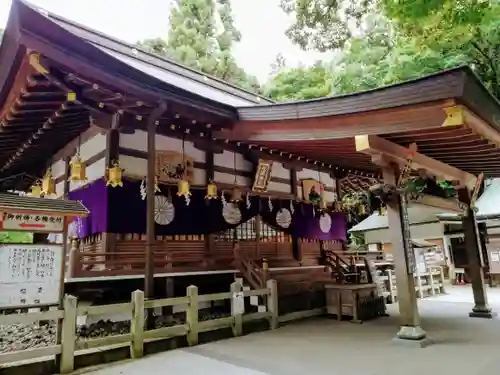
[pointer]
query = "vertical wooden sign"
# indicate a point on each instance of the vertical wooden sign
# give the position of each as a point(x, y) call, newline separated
point(262, 176)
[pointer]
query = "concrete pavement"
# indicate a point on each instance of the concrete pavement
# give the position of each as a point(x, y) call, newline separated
point(324, 346)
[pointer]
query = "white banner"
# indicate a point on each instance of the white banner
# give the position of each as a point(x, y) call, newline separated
point(29, 275)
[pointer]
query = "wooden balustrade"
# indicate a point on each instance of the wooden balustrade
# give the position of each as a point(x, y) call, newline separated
point(72, 346)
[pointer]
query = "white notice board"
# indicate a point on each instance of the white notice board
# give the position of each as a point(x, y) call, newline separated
point(29, 275)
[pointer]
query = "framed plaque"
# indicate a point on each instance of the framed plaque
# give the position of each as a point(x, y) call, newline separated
point(262, 176)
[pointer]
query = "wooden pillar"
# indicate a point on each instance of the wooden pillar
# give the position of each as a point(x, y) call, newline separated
point(112, 155)
point(296, 244)
point(150, 205)
point(474, 260)
point(410, 329)
point(209, 177)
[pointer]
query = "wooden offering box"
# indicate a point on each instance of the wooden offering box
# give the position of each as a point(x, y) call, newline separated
point(343, 299)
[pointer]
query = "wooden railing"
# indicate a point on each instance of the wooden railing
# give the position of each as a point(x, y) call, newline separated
point(342, 271)
point(253, 273)
point(70, 345)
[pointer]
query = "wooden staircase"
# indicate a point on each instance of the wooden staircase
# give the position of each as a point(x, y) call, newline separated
point(341, 271)
point(253, 273)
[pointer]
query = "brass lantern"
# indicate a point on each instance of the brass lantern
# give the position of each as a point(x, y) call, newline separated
point(383, 211)
point(323, 205)
point(211, 191)
point(36, 190)
point(48, 184)
point(183, 189)
point(236, 195)
point(157, 188)
point(77, 169)
point(361, 210)
point(114, 175)
point(337, 206)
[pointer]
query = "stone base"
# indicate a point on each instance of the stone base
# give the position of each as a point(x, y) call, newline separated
point(484, 313)
point(421, 343)
point(412, 336)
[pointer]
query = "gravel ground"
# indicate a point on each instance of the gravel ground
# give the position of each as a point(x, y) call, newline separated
point(20, 337)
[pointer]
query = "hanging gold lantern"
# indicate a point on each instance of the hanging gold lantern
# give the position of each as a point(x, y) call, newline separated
point(337, 206)
point(183, 189)
point(36, 190)
point(236, 194)
point(48, 184)
point(77, 169)
point(323, 205)
point(157, 187)
point(362, 210)
point(211, 191)
point(114, 175)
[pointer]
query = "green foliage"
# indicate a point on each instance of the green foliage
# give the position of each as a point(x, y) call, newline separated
point(202, 36)
point(325, 25)
point(388, 41)
point(300, 83)
point(16, 237)
point(158, 46)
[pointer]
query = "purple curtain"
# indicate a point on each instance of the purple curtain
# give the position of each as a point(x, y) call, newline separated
point(127, 212)
point(304, 224)
point(94, 196)
point(121, 210)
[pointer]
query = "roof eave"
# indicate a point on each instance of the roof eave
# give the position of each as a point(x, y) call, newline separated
point(43, 35)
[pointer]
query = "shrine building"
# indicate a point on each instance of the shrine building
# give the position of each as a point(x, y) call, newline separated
point(189, 179)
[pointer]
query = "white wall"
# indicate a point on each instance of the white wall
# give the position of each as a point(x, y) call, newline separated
point(135, 166)
point(422, 231)
point(88, 149)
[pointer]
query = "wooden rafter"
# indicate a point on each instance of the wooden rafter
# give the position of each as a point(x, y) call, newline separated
point(385, 151)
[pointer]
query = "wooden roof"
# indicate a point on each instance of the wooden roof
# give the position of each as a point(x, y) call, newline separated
point(450, 115)
point(44, 57)
point(23, 204)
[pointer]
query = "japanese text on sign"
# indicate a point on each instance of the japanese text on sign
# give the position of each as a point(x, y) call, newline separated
point(29, 274)
point(32, 222)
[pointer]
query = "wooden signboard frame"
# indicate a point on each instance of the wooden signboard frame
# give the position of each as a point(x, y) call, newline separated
point(169, 165)
point(36, 214)
point(262, 176)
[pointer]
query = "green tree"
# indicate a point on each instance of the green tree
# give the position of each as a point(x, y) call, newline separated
point(379, 58)
point(300, 83)
point(202, 36)
point(325, 25)
point(424, 36)
point(158, 46)
point(463, 27)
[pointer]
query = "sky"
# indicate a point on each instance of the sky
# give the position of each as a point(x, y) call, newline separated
point(261, 22)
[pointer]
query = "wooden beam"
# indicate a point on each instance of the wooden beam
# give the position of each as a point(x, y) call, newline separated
point(480, 127)
point(387, 121)
point(378, 148)
point(150, 205)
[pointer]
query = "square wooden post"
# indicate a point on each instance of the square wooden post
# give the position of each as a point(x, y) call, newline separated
point(410, 329)
point(192, 315)
point(137, 325)
point(238, 316)
point(472, 249)
point(68, 335)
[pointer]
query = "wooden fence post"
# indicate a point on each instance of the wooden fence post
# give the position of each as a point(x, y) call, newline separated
point(192, 315)
point(68, 335)
point(441, 275)
point(272, 303)
point(237, 315)
point(137, 325)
